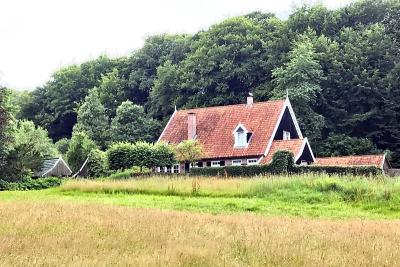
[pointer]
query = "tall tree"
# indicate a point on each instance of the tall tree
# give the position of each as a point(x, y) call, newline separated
point(92, 119)
point(301, 78)
point(131, 125)
point(111, 91)
point(4, 122)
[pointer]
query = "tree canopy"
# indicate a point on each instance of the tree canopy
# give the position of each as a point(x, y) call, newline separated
point(341, 68)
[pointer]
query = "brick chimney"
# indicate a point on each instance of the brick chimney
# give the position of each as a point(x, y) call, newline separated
point(191, 126)
point(250, 100)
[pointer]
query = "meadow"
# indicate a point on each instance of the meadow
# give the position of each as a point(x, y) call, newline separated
point(312, 220)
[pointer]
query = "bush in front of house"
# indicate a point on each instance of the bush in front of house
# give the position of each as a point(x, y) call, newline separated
point(356, 171)
point(282, 162)
point(122, 156)
point(30, 184)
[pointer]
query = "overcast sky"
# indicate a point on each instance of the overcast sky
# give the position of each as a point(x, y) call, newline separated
point(38, 37)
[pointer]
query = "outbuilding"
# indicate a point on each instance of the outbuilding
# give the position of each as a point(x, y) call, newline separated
point(56, 167)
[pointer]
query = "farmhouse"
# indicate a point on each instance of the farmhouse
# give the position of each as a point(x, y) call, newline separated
point(242, 134)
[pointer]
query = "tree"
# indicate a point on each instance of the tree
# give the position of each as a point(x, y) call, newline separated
point(62, 146)
point(343, 145)
point(92, 119)
point(301, 78)
point(79, 148)
point(143, 63)
point(5, 137)
point(30, 147)
point(111, 91)
point(188, 151)
point(97, 163)
point(131, 124)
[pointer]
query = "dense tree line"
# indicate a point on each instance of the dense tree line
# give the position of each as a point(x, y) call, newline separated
point(341, 68)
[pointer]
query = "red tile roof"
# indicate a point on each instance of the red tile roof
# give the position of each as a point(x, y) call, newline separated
point(215, 126)
point(363, 160)
point(293, 145)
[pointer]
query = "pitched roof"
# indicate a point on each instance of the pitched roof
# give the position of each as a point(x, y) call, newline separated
point(49, 164)
point(216, 124)
point(363, 160)
point(294, 145)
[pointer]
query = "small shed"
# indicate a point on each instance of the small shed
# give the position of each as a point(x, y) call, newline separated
point(54, 167)
point(83, 171)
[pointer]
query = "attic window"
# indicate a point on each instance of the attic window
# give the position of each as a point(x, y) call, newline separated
point(286, 135)
point(242, 136)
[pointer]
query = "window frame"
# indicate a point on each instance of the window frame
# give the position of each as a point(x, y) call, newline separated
point(252, 163)
point(286, 135)
point(239, 162)
point(217, 163)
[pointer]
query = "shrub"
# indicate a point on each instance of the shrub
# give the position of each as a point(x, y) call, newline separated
point(30, 184)
point(356, 171)
point(79, 148)
point(97, 163)
point(120, 156)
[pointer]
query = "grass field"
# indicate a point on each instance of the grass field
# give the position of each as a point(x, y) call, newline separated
point(275, 221)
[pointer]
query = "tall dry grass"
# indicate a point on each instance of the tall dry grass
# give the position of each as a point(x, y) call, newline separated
point(56, 233)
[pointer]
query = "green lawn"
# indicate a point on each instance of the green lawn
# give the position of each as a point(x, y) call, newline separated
point(301, 196)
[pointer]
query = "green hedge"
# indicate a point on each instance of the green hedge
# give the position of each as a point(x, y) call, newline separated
point(356, 171)
point(282, 163)
point(30, 184)
point(255, 170)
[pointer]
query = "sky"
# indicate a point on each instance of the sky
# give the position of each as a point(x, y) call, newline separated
point(39, 37)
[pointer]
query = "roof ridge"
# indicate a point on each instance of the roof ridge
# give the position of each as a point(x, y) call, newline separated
point(349, 156)
point(232, 105)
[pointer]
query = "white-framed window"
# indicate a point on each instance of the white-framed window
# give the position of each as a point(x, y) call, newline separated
point(252, 161)
point(215, 163)
point(286, 135)
point(194, 165)
point(168, 169)
point(236, 162)
point(176, 168)
point(303, 163)
point(240, 138)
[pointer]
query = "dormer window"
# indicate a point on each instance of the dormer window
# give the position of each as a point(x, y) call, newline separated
point(242, 136)
point(286, 135)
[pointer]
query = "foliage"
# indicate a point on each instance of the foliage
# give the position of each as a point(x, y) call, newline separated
point(343, 145)
point(120, 156)
point(97, 163)
point(79, 149)
point(301, 78)
point(62, 146)
point(111, 91)
point(30, 147)
point(5, 137)
point(92, 119)
point(30, 184)
point(282, 163)
point(123, 156)
point(341, 68)
point(188, 151)
point(131, 124)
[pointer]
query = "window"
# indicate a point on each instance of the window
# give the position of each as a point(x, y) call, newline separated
point(252, 161)
point(194, 165)
point(286, 135)
point(168, 169)
point(200, 164)
point(303, 163)
point(240, 138)
point(215, 163)
point(236, 162)
point(176, 168)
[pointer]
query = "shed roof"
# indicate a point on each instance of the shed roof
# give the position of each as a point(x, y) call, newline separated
point(361, 160)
